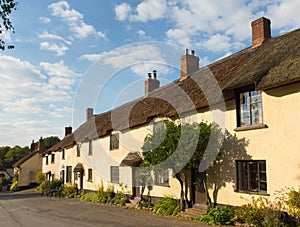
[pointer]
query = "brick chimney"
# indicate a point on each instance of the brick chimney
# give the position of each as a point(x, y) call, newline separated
point(89, 113)
point(32, 147)
point(189, 63)
point(261, 30)
point(68, 130)
point(151, 83)
point(41, 145)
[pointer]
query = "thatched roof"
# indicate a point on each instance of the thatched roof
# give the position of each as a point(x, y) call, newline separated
point(25, 158)
point(275, 63)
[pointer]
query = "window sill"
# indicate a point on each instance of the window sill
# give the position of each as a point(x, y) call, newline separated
point(90, 181)
point(253, 193)
point(250, 127)
point(162, 185)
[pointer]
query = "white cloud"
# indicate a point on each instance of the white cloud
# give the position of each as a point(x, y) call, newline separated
point(144, 11)
point(59, 49)
point(141, 33)
point(28, 93)
point(46, 36)
point(74, 19)
point(122, 11)
point(58, 69)
point(45, 20)
point(217, 42)
point(90, 57)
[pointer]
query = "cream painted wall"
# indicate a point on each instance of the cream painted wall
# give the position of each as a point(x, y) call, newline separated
point(278, 144)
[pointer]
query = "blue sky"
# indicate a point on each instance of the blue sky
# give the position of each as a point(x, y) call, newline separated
point(65, 52)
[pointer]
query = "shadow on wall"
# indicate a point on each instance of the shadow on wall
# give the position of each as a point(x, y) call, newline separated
point(223, 170)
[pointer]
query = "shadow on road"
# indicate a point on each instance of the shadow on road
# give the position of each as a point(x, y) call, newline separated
point(19, 195)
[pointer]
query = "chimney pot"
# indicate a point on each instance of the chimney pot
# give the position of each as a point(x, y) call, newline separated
point(261, 30)
point(189, 63)
point(154, 74)
point(68, 130)
point(89, 113)
point(151, 84)
point(41, 145)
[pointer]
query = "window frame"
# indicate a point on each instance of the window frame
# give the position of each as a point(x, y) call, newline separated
point(90, 151)
point(115, 178)
point(90, 175)
point(78, 150)
point(52, 158)
point(161, 178)
point(68, 174)
point(47, 160)
point(238, 92)
point(245, 173)
point(114, 141)
point(63, 154)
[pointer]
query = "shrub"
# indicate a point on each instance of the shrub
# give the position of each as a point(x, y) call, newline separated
point(293, 203)
point(39, 177)
point(167, 206)
point(217, 216)
point(71, 190)
point(90, 197)
point(44, 186)
point(277, 218)
point(14, 186)
point(252, 214)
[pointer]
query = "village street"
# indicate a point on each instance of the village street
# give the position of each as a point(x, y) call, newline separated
point(28, 208)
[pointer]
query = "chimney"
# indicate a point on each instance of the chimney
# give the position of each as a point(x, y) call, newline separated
point(261, 30)
point(89, 113)
point(32, 147)
point(41, 145)
point(189, 63)
point(68, 130)
point(151, 83)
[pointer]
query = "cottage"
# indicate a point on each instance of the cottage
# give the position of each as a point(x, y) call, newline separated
point(26, 168)
point(254, 94)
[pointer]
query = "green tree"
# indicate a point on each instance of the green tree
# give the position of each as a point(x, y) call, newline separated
point(16, 152)
point(7, 6)
point(50, 141)
point(3, 152)
point(182, 148)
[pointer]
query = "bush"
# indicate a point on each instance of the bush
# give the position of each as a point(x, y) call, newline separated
point(167, 206)
point(39, 177)
point(252, 214)
point(277, 218)
point(70, 191)
point(44, 186)
point(293, 203)
point(217, 216)
point(14, 186)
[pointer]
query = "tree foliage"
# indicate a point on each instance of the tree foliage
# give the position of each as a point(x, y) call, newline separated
point(178, 147)
point(6, 8)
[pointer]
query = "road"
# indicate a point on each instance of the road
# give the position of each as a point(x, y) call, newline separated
point(28, 208)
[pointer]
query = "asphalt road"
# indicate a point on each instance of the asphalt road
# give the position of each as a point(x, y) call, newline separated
point(28, 208)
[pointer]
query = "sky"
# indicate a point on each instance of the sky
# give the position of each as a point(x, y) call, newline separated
point(71, 55)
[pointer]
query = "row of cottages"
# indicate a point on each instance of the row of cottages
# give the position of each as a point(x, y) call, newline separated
point(26, 168)
point(260, 93)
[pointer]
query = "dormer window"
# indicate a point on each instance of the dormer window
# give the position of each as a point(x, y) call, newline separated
point(249, 107)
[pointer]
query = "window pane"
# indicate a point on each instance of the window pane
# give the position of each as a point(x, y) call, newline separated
point(263, 186)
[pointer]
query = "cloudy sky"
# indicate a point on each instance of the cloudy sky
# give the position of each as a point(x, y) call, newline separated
point(67, 51)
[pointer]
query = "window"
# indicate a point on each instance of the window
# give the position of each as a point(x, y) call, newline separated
point(63, 154)
point(90, 175)
point(114, 142)
point(158, 125)
point(249, 107)
point(52, 158)
point(62, 176)
point(47, 160)
point(90, 147)
point(69, 174)
point(78, 150)
point(114, 174)
point(162, 178)
point(251, 176)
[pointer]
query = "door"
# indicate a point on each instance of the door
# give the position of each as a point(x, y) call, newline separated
point(135, 185)
point(198, 188)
